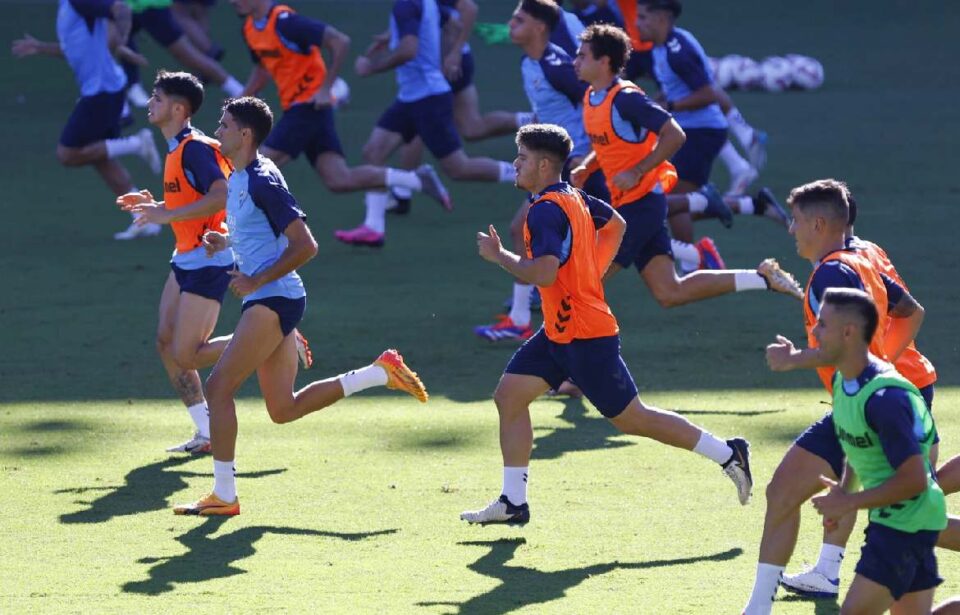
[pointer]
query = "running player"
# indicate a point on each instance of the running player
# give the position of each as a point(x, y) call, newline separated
point(271, 240)
point(193, 16)
point(571, 239)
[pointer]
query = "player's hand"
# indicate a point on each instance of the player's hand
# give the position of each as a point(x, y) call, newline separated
point(380, 42)
point(834, 504)
point(489, 246)
point(26, 46)
point(578, 176)
point(780, 354)
point(323, 98)
point(214, 242)
point(453, 65)
point(132, 199)
point(363, 66)
point(624, 180)
point(150, 213)
point(242, 285)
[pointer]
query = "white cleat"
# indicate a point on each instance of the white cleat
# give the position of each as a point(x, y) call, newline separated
point(148, 150)
point(197, 445)
point(740, 181)
point(137, 96)
point(136, 230)
point(811, 583)
point(499, 511)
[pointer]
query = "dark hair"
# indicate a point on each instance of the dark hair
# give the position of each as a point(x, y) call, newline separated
point(855, 301)
point(251, 112)
point(674, 7)
point(181, 85)
point(853, 209)
point(547, 139)
point(828, 195)
point(610, 41)
point(546, 11)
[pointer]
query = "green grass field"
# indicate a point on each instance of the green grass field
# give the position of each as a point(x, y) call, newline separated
point(355, 509)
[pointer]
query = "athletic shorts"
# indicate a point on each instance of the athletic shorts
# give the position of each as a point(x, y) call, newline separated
point(646, 235)
point(94, 118)
point(466, 73)
point(304, 128)
point(821, 439)
point(159, 24)
point(639, 64)
point(207, 282)
point(289, 310)
point(903, 562)
point(695, 158)
point(430, 118)
point(594, 364)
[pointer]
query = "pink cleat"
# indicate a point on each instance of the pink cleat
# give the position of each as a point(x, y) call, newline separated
point(361, 236)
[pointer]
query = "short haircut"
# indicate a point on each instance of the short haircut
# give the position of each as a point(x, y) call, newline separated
point(546, 11)
point(857, 302)
point(548, 139)
point(251, 112)
point(830, 196)
point(674, 7)
point(181, 85)
point(852, 218)
point(610, 41)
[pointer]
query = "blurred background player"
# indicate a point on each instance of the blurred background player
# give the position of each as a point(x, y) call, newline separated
point(193, 16)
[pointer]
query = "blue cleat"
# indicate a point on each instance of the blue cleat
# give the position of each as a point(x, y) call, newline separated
point(716, 207)
point(765, 204)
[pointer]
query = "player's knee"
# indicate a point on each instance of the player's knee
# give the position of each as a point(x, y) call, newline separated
point(338, 183)
point(454, 167)
point(280, 412)
point(218, 391)
point(507, 402)
point(371, 153)
point(68, 156)
point(667, 297)
point(779, 495)
point(185, 357)
point(164, 345)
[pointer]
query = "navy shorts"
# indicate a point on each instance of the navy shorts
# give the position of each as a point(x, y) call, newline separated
point(639, 64)
point(594, 364)
point(431, 118)
point(159, 24)
point(289, 310)
point(821, 439)
point(207, 282)
point(903, 562)
point(466, 73)
point(695, 158)
point(94, 118)
point(646, 235)
point(304, 128)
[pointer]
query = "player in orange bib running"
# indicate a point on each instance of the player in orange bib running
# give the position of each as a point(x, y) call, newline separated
point(571, 239)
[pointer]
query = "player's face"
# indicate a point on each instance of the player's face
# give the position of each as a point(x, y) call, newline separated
point(243, 7)
point(830, 332)
point(645, 19)
point(228, 134)
point(526, 164)
point(803, 229)
point(159, 107)
point(587, 67)
point(519, 25)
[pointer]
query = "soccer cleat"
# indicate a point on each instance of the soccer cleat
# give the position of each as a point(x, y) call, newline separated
point(779, 280)
point(716, 207)
point(757, 152)
point(535, 301)
point(197, 445)
point(399, 376)
point(740, 181)
point(148, 150)
point(765, 204)
point(136, 230)
point(433, 187)
point(137, 96)
point(709, 255)
point(811, 583)
point(303, 350)
point(363, 235)
point(399, 205)
point(737, 468)
point(208, 506)
point(499, 511)
point(504, 329)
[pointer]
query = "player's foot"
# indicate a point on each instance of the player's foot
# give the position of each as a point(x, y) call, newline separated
point(136, 230)
point(811, 583)
point(303, 350)
point(779, 280)
point(504, 329)
point(740, 181)
point(433, 187)
point(197, 445)
point(737, 468)
point(709, 255)
point(534, 300)
point(209, 505)
point(148, 150)
point(399, 205)
point(499, 511)
point(399, 376)
point(716, 207)
point(765, 204)
point(757, 152)
point(137, 96)
point(363, 235)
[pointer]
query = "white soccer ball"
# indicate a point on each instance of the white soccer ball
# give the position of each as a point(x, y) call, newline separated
point(807, 71)
point(747, 74)
point(712, 65)
point(723, 74)
point(777, 74)
point(340, 92)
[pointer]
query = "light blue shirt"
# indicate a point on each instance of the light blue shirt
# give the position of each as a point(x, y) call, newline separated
point(681, 67)
point(85, 46)
point(423, 75)
point(556, 95)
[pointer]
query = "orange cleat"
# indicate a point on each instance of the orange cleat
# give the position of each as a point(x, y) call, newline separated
point(209, 505)
point(399, 376)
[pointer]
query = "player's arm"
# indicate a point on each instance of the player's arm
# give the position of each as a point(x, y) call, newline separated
point(258, 79)
point(456, 34)
point(686, 63)
point(407, 16)
point(906, 318)
point(548, 227)
point(337, 44)
point(610, 230)
point(30, 46)
point(645, 115)
point(301, 247)
point(587, 166)
point(468, 11)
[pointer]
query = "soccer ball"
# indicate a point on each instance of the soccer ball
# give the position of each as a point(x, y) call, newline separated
point(777, 74)
point(713, 64)
point(341, 92)
point(807, 71)
point(747, 74)
point(723, 74)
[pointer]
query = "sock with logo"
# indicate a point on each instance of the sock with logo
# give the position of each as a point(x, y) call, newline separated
point(515, 484)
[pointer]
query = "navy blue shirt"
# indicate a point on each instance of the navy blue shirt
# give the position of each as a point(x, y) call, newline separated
point(835, 274)
point(93, 9)
point(297, 33)
point(550, 228)
point(199, 161)
point(637, 109)
point(407, 16)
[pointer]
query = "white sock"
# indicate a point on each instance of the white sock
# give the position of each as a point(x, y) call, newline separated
point(397, 178)
point(686, 253)
point(764, 589)
point(377, 202)
point(201, 418)
point(364, 378)
point(745, 205)
point(515, 485)
point(831, 556)
point(732, 158)
point(507, 173)
point(525, 117)
point(402, 193)
point(224, 480)
point(520, 310)
point(232, 87)
point(697, 202)
point(739, 127)
point(748, 279)
point(713, 448)
point(124, 146)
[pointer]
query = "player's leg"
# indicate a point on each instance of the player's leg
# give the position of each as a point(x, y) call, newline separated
point(867, 597)
point(949, 607)
point(694, 161)
point(186, 14)
point(196, 318)
point(914, 603)
point(753, 141)
point(409, 157)
point(474, 126)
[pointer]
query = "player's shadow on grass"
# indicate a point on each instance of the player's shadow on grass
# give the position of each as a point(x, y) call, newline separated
point(581, 432)
point(210, 557)
point(521, 586)
point(145, 489)
point(821, 606)
point(743, 413)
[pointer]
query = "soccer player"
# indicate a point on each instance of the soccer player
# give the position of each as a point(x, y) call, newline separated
point(271, 240)
point(571, 239)
point(193, 16)
point(92, 133)
point(423, 107)
point(632, 140)
point(885, 430)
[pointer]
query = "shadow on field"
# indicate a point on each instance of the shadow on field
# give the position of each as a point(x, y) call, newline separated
point(213, 557)
point(145, 489)
point(821, 606)
point(582, 432)
point(521, 586)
